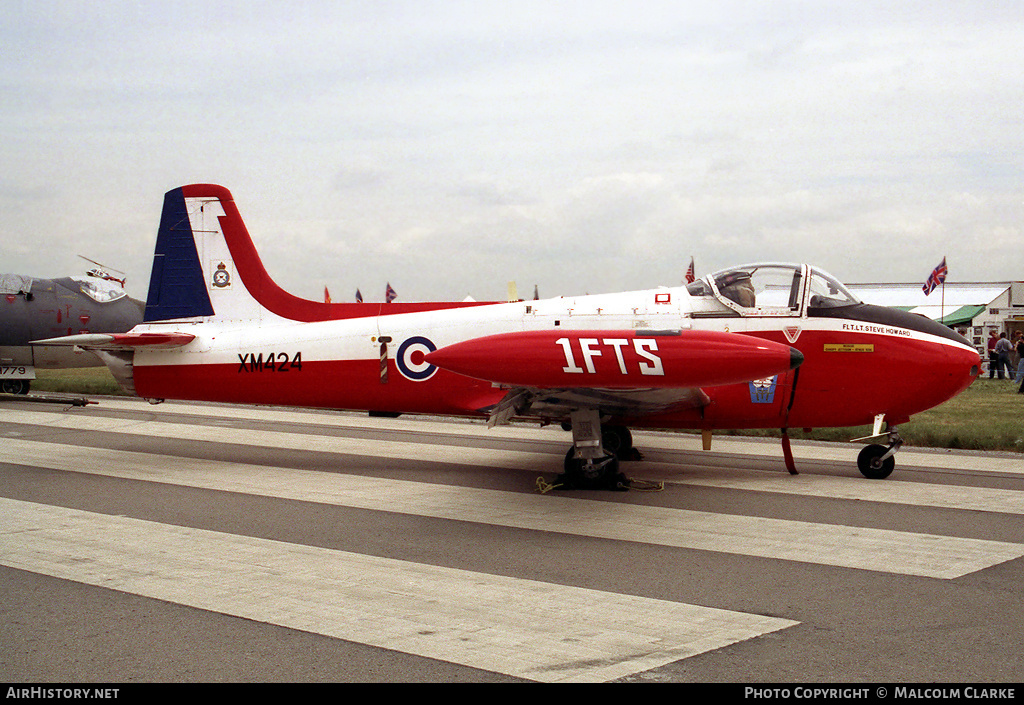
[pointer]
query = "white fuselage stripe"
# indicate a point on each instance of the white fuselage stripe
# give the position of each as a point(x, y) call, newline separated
point(219, 342)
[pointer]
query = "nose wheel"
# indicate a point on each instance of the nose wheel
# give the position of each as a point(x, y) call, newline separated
point(876, 462)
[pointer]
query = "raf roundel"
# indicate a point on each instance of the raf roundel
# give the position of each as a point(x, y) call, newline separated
point(410, 359)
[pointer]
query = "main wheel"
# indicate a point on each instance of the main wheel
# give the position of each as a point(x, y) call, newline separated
point(871, 464)
point(617, 440)
point(14, 386)
point(601, 474)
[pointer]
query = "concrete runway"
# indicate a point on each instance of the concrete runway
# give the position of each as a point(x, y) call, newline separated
point(201, 542)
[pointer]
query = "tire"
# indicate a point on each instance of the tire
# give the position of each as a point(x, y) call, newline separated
point(871, 465)
point(14, 386)
point(617, 440)
point(602, 475)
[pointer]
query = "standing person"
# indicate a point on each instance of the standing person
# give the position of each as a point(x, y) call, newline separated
point(992, 356)
point(1003, 348)
point(1015, 357)
point(1020, 364)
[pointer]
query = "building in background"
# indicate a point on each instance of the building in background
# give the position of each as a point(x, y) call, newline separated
point(972, 308)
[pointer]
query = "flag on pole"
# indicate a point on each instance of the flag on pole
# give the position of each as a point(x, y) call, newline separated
point(359, 296)
point(390, 294)
point(327, 296)
point(691, 275)
point(938, 277)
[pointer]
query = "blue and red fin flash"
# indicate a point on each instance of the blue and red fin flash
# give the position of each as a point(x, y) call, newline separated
point(177, 288)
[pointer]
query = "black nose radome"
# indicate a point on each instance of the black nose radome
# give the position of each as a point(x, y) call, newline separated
point(796, 358)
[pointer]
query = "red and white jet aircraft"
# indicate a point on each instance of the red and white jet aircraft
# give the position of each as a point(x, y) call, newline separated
point(757, 346)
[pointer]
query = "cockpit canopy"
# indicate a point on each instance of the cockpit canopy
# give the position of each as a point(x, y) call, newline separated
point(98, 290)
point(772, 289)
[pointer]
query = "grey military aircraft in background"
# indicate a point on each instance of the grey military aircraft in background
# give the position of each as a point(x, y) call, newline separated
point(32, 308)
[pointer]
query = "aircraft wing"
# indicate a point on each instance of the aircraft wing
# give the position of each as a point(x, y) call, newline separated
point(619, 372)
point(558, 403)
point(120, 341)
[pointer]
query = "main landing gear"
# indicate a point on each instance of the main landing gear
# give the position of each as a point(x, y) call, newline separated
point(593, 461)
point(876, 461)
point(14, 386)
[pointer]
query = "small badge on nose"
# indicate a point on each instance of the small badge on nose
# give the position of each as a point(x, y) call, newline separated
point(762, 391)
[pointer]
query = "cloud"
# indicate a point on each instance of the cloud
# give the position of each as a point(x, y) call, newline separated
point(582, 146)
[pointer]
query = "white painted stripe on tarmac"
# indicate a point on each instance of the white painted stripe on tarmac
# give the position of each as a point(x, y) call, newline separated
point(731, 445)
point(854, 488)
point(523, 628)
point(382, 448)
point(981, 499)
point(825, 544)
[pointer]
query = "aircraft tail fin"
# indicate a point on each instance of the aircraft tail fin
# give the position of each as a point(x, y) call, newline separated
point(205, 266)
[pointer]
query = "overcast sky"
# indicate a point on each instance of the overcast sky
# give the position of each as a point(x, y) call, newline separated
point(449, 147)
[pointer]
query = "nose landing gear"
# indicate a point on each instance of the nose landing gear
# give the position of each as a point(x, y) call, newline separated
point(876, 462)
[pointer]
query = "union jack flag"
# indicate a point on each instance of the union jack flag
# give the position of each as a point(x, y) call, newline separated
point(691, 275)
point(937, 277)
point(359, 296)
point(390, 294)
